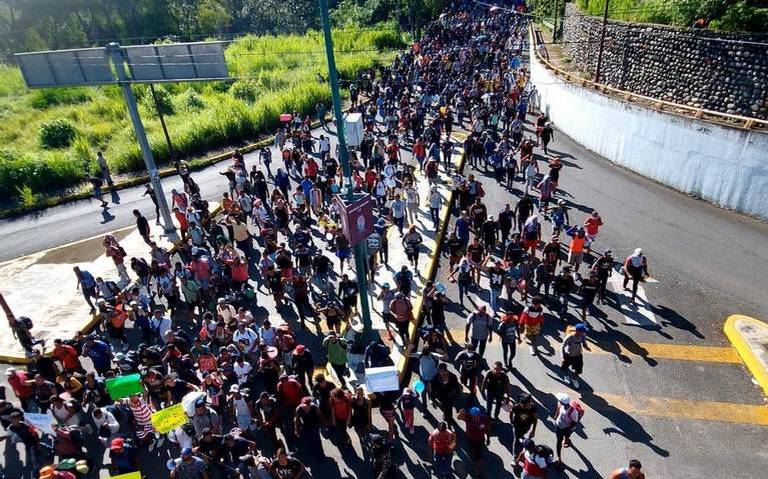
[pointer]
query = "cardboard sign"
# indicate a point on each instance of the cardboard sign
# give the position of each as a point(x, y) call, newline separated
point(42, 422)
point(124, 386)
point(168, 419)
point(130, 475)
point(381, 379)
point(206, 362)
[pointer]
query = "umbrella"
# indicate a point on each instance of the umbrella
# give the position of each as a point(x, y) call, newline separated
point(188, 401)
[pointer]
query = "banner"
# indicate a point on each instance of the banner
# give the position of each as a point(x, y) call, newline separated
point(130, 475)
point(168, 419)
point(42, 422)
point(124, 386)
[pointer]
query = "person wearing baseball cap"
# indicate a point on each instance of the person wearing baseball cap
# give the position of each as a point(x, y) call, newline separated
point(124, 458)
point(567, 418)
point(189, 466)
point(478, 429)
point(572, 352)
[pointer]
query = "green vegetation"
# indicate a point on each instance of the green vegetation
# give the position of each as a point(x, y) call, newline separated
point(50, 136)
point(731, 15)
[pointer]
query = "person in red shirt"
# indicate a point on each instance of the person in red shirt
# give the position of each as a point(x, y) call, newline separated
point(478, 434)
point(67, 355)
point(290, 394)
point(531, 319)
point(443, 442)
point(239, 271)
point(310, 168)
point(592, 225)
point(341, 414)
point(183, 222)
point(18, 382)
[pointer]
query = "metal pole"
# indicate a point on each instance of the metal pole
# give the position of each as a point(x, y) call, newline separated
point(602, 42)
point(161, 117)
point(141, 136)
point(360, 260)
point(554, 27)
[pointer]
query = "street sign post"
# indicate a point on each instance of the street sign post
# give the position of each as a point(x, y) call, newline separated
point(360, 255)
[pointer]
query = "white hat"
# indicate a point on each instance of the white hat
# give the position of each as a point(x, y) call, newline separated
point(563, 398)
point(234, 388)
point(10, 371)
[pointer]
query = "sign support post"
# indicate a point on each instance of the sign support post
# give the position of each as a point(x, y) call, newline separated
point(360, 259)
point(141, 136)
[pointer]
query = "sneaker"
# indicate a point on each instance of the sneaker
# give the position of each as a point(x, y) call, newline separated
point(533, 351)
point(576, 383)
point(566, 379)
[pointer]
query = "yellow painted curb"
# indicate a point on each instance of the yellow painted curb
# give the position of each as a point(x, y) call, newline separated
point(745, 351)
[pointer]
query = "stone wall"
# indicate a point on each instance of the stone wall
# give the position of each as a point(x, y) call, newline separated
point(691, 67)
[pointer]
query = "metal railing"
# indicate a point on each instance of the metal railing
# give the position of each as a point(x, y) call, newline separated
point(737, 121)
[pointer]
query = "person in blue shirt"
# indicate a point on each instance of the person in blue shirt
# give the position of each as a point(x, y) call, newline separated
point(99, 353)
point(463, 223)
point(87, 284)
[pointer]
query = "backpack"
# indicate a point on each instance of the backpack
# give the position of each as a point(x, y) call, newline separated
point(575, 404)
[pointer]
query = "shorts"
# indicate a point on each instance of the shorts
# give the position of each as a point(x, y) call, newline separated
point(343, 253)
point(412, 256)
point(575, 363)
point(574, 258)
point(530, 243)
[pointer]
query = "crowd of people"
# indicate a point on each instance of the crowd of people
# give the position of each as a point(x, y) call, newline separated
point(262, 404)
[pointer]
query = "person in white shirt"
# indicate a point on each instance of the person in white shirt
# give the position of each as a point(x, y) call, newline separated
point(106, 425)
point(161, 325)
point(247, 337)
point(242, 370)
point(435, 205)
point(267, 333)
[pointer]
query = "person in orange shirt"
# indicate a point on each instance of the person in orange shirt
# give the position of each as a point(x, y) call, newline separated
point(576, 249)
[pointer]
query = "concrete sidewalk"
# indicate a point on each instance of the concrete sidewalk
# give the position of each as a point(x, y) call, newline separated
point(44, 287)
point(428, 259)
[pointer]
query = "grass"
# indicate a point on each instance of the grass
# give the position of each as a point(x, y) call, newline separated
point(281, 74)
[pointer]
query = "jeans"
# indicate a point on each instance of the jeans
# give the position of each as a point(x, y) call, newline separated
point(399, 222)
point(479, 345)
point(441, 465)
point(491, 400)
point(462, 292)
point(435, 214)
point(562, 304)
point(508, 352)
point(495, 299)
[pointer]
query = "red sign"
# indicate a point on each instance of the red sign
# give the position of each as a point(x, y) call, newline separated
point(356, 218)
point(206, 362)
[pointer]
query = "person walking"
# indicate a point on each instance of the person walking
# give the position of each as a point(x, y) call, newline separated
point(143, 226)
point(480, 325)
point(442, 441)
point(567, 416)
point(104, 168)
point(509, 333)
point(337, 355)
point(635, 269)
point(495, 387)
point(572, 353)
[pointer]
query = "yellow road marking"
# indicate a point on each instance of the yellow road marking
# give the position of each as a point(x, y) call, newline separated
point(677, 352)
point(757, 330)
point(680, 408)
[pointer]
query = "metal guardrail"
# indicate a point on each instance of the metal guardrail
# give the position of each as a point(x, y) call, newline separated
point(738, 121)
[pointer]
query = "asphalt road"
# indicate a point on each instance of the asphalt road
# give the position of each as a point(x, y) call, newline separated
point(709, 263)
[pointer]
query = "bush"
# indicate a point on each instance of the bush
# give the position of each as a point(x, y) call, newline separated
point(48, 97)
point(190, 101)
point(57, 133)
point(46, 172)
point(246, 90)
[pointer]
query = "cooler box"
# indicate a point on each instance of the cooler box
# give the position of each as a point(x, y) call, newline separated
point(353, 129)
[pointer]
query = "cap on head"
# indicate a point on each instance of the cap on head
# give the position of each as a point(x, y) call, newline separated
point(563, 399)
point(117, 444)
point(186, 451)
point(475, 411)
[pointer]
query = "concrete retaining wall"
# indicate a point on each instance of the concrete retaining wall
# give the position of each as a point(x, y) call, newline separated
point(726, 166)
point(720, 71)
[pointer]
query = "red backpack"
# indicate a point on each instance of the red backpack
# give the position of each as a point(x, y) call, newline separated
point(575, 404)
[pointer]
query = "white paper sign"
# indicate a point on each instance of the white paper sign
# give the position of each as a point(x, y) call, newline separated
point(43, 422)
point(381, 379)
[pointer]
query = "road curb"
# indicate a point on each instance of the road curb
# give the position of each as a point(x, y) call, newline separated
point(745, 350)
point(402, 364)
